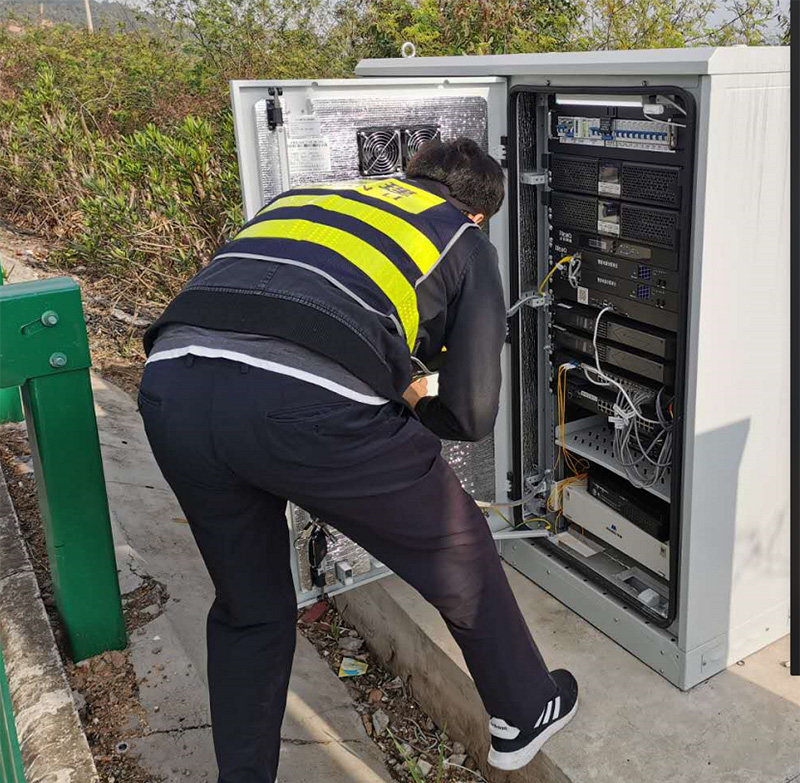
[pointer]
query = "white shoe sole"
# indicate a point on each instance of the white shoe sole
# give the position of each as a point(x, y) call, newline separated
point(519, 758)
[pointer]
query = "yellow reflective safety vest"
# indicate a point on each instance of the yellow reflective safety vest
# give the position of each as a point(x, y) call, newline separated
point(376, 240)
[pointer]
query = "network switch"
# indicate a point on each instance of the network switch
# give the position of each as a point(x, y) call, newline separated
point(638, 364)
point(617, 329)
point(601, 400)
point(577, 240)
point(639, 271)
point(646, 293)
point(639, 311)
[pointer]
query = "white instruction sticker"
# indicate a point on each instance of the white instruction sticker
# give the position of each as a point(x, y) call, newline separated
point(309, 155)
point(303, 126)
point(609, 188)
point(583, 295)
point(604, 227)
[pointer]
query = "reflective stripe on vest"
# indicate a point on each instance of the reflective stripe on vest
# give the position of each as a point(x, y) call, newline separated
point(422, 251)
point(362, 255)
point(406, 231)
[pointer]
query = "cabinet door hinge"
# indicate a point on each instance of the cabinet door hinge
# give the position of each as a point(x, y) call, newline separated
point(274, 111)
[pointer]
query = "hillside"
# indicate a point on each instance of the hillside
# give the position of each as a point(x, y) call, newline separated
point(108, 14)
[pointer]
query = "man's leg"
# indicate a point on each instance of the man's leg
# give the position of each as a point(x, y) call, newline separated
point(242, 535)
point(251, 630)
point(433, 535)
point(378, 476)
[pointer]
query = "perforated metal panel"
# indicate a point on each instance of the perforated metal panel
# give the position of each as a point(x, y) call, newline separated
point(574, 211)
point(528, 280)
point(577, 174)
point(655, 226)
point(339, 120)
point(651, 183)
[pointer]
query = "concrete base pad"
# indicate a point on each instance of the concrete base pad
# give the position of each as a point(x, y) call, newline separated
point(742, 726)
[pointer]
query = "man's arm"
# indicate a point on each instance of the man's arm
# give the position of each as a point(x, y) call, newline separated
point(469, 380)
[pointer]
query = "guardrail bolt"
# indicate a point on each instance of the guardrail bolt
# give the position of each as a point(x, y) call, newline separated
point(58, 360)
point(49, 318)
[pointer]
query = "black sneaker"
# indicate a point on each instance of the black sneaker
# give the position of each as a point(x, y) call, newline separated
point(512, 748)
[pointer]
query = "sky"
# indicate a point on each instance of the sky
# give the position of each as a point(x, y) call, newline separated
point(722, 15)
point(719, 16)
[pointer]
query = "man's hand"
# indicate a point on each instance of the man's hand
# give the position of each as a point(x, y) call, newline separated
point(416, 391)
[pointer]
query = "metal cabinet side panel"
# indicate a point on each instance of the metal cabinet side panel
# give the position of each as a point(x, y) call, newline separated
point(735, 564)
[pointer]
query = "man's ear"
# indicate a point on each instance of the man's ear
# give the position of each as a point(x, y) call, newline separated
point(477, 219)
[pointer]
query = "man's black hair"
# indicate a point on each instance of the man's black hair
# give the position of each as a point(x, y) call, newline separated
point(473, 177)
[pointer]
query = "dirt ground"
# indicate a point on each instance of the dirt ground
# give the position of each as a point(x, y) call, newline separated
point(414, 746)
point(106, 689)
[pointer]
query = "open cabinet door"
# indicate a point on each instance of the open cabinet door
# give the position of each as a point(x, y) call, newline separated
point(293, 133)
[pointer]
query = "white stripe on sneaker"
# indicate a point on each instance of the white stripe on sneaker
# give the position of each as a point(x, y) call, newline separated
point(557, 710)
point(539, 722)
point(548, 711)
point(519, 758)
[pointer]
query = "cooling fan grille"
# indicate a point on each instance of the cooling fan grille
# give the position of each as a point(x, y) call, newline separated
point(379, 151)
point(415, 137)
point(385, 150)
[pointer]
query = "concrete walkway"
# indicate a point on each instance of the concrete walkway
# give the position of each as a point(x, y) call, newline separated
point(741, 726)
point(323, 737)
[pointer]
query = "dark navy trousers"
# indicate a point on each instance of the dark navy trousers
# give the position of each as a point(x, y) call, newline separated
point(235, 443)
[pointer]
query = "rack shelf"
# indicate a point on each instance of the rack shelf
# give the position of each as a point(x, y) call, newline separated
point(593, 439)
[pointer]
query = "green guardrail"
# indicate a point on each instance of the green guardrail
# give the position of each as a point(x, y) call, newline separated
point(11, 770)
point(44, 351)
point(10, 401)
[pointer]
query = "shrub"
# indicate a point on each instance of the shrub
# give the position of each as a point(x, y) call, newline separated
point(97, 151)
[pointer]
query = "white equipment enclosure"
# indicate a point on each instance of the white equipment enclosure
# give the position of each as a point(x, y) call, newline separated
point(644, 421)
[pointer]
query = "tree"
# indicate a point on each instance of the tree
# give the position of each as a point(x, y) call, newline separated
point(654, 24)
point(248, 39)
point(454, 27)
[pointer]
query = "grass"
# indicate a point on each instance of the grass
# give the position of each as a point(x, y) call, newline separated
point(413, 766)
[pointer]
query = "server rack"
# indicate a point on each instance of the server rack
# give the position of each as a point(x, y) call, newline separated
point(683, 232)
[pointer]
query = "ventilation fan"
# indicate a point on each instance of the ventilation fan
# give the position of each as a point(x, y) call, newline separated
point(379, 151)
point(415, 136)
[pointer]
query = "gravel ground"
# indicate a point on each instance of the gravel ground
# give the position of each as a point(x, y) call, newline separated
point(415, 747)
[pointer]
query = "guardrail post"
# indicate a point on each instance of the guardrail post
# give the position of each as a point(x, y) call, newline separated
point(44, 350)
point(10, 402)
point(11, 770)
